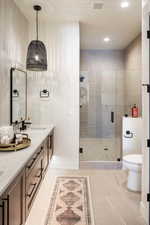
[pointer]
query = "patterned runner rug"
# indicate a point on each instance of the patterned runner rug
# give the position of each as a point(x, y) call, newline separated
point(71, 202)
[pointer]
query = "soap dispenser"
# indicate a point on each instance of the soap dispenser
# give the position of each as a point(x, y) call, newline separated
point(135, 111)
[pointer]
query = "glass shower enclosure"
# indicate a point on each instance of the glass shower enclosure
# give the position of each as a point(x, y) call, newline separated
point(101, 111)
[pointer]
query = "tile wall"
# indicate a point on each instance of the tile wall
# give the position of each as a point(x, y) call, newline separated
point(105, 72)
point(62, 81)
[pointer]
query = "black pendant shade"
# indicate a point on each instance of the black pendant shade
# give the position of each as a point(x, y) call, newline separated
point(36, 55)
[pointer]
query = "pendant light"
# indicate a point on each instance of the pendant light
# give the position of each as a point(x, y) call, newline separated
point(36, 55)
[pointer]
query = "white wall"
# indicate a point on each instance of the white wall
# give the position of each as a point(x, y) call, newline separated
point(131, 145)
point(145, 110)
point(133, 70)
point(13, 45)
point(62, 80)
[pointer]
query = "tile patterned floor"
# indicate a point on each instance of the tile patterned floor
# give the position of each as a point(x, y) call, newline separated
point(113, 204)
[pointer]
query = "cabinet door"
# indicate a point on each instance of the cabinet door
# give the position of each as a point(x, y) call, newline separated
point(45, 160)
point(51, 144)
point(16, 202)
point(3, 211)
point(32, 183)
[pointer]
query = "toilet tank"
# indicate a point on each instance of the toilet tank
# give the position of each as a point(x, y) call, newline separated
point(131, 135)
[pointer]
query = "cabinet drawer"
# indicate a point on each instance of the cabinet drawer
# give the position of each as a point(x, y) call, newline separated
point(12, 202)
point(34, 160)
point(15, 194)
point(32, 183)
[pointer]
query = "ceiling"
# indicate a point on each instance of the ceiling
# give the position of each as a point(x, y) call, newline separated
point(121, 25)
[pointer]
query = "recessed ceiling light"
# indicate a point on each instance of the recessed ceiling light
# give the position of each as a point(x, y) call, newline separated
point(124, 4)
point(106, 39)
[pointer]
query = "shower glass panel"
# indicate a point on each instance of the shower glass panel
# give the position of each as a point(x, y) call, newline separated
point(101, 111)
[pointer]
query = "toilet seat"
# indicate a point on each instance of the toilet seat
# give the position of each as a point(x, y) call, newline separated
point(136, 159)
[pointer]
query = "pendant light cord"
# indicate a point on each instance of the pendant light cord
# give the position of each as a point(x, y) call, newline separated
point(37, 28)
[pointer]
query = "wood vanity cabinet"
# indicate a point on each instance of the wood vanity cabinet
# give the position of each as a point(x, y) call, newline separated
point(33, 178)
point(12, 203)
point(36, 169)
point(3, 211)
point(16, 202)
point(51, 144)
point(45, 160)
point(47, 152)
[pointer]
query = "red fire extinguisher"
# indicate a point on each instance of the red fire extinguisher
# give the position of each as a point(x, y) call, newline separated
point(135, 111)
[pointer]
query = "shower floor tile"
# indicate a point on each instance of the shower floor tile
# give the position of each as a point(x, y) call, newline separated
point(100, 149)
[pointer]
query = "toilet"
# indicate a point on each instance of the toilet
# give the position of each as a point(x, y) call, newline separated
point(133, 163)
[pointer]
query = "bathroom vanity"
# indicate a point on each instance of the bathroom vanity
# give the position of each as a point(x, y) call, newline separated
point(21, 174)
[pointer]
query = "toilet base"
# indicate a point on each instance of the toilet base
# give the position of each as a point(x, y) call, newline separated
point(134, 180)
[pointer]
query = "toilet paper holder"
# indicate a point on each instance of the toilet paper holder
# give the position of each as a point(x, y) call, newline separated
point(128, 134)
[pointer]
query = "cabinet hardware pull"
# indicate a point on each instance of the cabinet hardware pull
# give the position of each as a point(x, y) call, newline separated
point(29, 167)
point(112, 117)
point(39, 152)
point(3, 212)
point(34, 185)
point(7, 200)
point(40, 175)
point(33, 160)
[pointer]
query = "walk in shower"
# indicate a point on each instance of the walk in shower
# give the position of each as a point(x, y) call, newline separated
point(110, 84)
point(101, 105)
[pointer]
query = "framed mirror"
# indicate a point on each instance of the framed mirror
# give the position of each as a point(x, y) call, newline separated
point(18, 95)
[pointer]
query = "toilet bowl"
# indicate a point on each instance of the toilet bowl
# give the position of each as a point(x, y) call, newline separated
point(134, 165)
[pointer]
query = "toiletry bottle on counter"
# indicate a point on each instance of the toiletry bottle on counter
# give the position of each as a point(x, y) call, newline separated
point(135, 111)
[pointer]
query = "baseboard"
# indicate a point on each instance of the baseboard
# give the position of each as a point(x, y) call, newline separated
point(58, 163)
point(100, 165)
point(145, 212)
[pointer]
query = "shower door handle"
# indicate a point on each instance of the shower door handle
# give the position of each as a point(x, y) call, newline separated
point(112, 117)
